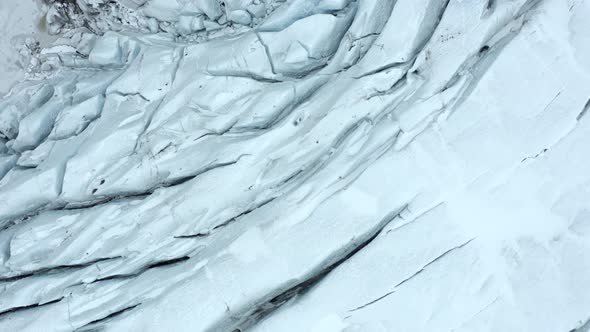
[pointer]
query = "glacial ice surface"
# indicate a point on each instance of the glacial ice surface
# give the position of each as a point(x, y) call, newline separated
point(300, 165)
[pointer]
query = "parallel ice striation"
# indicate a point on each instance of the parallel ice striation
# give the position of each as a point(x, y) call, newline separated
point(304, 165)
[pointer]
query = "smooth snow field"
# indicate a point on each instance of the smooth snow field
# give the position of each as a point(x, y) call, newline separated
point(295, 165)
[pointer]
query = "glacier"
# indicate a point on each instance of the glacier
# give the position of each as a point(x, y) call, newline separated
point(296, 165)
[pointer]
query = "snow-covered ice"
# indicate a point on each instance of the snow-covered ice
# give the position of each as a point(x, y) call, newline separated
point(298, 165)
point(19, 20)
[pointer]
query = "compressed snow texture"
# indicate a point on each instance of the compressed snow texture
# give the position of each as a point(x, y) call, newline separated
point(300, 165)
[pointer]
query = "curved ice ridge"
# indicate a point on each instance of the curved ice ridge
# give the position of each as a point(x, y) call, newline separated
point(316, 165)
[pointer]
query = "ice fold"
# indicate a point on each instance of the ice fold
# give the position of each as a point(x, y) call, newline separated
point(301, 165)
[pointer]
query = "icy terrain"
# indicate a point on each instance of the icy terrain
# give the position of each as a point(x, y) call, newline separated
point(21, 29)
point(298, 165)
